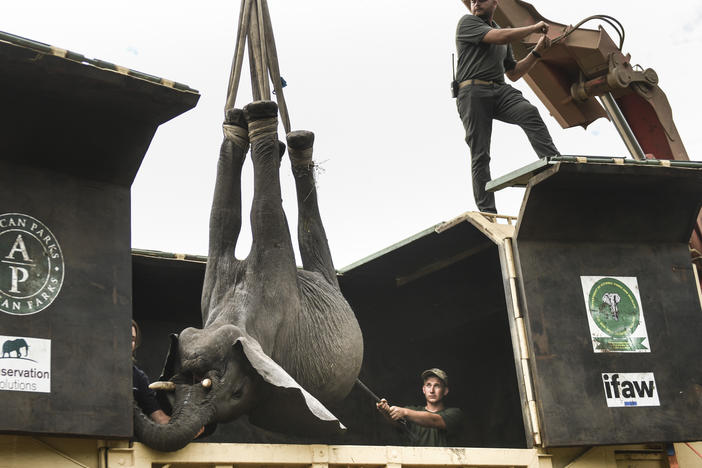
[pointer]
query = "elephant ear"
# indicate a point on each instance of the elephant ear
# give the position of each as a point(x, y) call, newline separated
point(287, 408)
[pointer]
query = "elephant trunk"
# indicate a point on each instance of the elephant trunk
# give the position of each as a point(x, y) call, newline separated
point(191, 411)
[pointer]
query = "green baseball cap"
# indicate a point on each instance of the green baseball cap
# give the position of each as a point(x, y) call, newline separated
point(436, 372)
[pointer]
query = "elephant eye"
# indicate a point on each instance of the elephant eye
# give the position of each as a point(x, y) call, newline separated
point(238, 392)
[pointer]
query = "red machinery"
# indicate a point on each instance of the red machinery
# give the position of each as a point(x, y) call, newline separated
point(585, 75)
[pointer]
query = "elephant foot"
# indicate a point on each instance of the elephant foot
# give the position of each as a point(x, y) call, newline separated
point(262, 117)
point(300, 144)
point(236, 129)
point(258, 110)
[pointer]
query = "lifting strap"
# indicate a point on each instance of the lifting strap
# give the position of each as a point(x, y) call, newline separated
point(255, 28)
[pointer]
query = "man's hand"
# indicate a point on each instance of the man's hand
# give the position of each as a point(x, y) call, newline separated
point(543, 44)
point(394, 413)
point(383, 407)
point(541, 27)
point(397, 413)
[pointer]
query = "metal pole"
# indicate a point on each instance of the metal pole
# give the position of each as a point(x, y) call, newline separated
point(622, 126)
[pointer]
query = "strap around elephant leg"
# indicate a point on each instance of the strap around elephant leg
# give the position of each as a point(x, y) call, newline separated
point(237, 135)
point(301, 158)
point(263, 128)
point(262, 118)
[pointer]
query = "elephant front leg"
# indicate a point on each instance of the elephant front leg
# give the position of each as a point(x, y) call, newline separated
point(225, 215)
point(272, 257)
point(311, 235)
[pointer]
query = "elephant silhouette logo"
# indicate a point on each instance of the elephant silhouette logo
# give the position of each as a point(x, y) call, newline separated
point(16, 346)
point(609, 305)
point(614, 308)
point(31, 265)
point(615, 317)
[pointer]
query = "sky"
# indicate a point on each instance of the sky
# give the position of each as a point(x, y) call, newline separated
point(371, 79)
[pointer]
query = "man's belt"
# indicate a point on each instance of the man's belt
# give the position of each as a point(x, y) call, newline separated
point(463, 84)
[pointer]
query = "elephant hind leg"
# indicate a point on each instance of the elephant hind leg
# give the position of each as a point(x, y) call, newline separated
point(225, 215)
point(271, 250)
point(311, 236)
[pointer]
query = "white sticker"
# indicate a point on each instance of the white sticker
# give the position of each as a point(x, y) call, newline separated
point(632, 389)
point(615, 314)
point(25, 365)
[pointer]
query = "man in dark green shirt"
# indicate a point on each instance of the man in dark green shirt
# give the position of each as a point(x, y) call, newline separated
point(484, 58)
point(432, 424)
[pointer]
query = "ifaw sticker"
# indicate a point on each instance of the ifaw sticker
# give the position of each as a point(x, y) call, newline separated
point(31, 265)
point(614, 314)
point(627, 390)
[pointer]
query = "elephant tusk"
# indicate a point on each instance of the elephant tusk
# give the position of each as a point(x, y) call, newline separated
point(207, 383)
point(165, 386)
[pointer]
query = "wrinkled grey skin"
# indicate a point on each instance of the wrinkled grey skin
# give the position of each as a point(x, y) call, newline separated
point(299, 317)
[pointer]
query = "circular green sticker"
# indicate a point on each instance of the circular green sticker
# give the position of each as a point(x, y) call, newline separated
point(614, 308)
point(31, 265)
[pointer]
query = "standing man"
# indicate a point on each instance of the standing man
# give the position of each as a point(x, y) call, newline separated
point(484, 57)
point(431, 424)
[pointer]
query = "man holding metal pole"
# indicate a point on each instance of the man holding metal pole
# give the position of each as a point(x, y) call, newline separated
point(429, 425)
point(484, 57)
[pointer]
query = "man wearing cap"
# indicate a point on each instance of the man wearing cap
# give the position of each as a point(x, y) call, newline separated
point(484, 57)
point(429, 425)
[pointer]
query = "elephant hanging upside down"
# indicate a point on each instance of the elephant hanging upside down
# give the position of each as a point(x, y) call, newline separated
point(277, 342)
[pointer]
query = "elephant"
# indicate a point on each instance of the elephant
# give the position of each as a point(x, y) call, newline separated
point(16, 346)
point(609, 304)
point(278, 343)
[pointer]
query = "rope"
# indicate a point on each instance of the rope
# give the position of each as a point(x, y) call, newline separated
point(237, 135)
point(262, 128)
point(301, 158)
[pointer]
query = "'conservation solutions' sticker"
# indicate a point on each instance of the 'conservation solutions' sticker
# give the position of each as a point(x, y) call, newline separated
point(31, 265)
point(630, 389)
point(614, 314)
point(25, 365)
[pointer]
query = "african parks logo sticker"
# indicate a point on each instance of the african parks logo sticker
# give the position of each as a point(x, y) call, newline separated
point(31, 265)
point(615, 315)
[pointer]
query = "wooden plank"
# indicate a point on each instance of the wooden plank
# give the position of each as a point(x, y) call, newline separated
point(278, 455)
